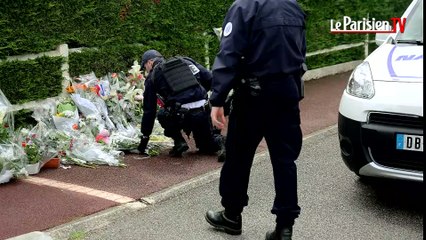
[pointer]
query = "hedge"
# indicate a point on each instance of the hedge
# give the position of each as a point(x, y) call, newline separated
point(23, 81)
point(117, 32)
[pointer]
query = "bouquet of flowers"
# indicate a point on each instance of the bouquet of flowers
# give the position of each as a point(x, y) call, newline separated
point(126, 96)
point(11, 162)
point(5, 174)
point(86, 152)
point(33, 153)
point(66, 115)
point(92, 125)
point(58, 140)
point(136, 77)
point(11, 158)
point(6, 119)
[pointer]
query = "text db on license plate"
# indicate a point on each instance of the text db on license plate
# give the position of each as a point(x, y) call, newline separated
point(409, 142)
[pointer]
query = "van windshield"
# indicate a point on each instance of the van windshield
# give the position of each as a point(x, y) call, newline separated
point(413, 32)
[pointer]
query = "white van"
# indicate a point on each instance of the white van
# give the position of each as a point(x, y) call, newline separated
point(381, 110)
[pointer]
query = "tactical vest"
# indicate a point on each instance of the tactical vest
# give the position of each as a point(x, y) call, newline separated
point(178, 75)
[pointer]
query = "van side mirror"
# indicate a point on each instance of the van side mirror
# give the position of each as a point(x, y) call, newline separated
point(381, 38)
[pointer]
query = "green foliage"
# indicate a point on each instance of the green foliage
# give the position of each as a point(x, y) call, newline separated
point(25, 24)
point(372, 47)
point(33, 153)
point(23, 118)
point(23, 81)
point(117, 32)
point(332, 58)
point(4, 134)
point(77, 235)
point(179, 25)
point(104, 60)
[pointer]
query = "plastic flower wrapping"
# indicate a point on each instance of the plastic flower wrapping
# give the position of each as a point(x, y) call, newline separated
point(6, 119)
point(11, 160)
point(92, 125)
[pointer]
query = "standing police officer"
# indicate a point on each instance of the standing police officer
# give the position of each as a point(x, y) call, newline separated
point(262, 54)
point(180, 83)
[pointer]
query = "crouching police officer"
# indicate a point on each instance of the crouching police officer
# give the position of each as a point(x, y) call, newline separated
point(180, 83)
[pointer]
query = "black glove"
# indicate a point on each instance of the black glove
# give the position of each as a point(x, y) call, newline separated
point(143, 144)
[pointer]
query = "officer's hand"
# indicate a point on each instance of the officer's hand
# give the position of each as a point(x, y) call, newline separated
point(218, 117)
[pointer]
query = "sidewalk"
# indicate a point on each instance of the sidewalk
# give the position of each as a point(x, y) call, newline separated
point(59, 196)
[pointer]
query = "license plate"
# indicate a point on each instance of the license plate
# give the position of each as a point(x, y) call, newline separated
point(409, 142)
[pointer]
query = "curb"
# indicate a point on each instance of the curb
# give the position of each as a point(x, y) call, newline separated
point(32, 236)
point(91, 222)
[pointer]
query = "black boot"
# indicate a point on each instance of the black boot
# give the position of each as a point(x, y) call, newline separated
point(224, 222)
point(280, 234)
point(179, 147)
point(141, 149)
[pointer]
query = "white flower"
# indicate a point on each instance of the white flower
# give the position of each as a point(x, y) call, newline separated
point(136, 69)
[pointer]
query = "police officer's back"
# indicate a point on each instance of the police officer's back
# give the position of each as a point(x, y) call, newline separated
point(261, 55)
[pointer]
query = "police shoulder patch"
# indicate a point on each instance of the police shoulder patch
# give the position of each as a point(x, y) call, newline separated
point(194, 69)
point(228, 29)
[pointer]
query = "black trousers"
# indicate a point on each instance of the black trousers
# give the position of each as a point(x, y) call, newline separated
point(276, 117)
point(195, 121)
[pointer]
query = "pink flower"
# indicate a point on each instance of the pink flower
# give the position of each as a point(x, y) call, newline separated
point(103, 137)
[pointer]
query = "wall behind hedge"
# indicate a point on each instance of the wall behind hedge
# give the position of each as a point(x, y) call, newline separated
point(121, 30)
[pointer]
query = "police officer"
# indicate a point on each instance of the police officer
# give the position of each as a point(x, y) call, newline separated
point(262, 54)
point(180, 83)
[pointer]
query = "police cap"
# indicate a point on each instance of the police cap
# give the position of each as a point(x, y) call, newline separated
point(150, 54)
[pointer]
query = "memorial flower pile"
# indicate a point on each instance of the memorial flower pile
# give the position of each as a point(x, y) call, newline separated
point(93, 124)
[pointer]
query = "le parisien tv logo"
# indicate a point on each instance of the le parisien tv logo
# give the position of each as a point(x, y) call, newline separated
point(366, 25)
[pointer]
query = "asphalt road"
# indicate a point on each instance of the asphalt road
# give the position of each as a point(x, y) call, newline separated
point(335, 205)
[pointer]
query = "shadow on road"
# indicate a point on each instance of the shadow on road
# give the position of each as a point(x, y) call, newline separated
point(393, 194)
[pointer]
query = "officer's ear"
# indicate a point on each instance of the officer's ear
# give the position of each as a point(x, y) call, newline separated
point(148, 64)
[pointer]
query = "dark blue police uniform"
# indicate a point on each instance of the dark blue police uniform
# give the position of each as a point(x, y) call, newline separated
point(263, 42)
point(174, 117)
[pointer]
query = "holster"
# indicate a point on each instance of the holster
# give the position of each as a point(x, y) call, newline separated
point(228, 104)
point(249, 86)
point(171, 118)
point(301, 86)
